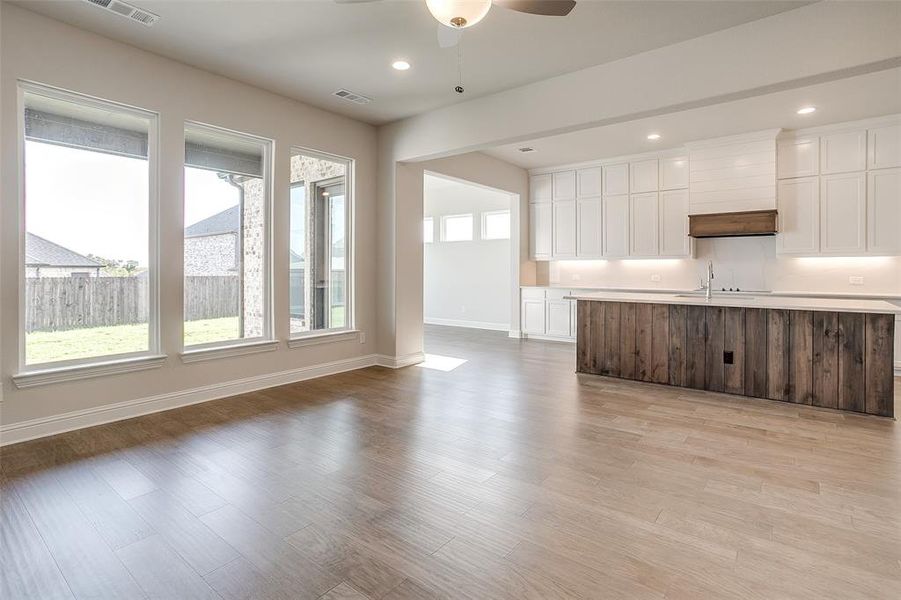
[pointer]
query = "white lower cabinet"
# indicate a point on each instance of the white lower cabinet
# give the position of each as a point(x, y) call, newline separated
point(547, 314)
point(533, 311)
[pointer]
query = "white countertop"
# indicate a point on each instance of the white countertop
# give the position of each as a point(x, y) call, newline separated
point(750, 301)
point(896, 298)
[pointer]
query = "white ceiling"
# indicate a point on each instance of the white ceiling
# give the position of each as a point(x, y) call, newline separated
point(860, 97)
point(307, 49)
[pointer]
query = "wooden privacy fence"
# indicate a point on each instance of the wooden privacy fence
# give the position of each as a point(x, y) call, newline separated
point(60, 303)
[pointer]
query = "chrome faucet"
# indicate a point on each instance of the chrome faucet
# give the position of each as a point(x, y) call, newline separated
point(709, 284)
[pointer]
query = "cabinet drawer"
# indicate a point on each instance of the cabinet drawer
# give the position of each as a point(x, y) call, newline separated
point(533, 293)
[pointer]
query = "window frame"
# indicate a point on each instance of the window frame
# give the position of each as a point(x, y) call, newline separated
point(431, 221)
point(297, 339)
point(443, 233)
point(61, 370)
point(267, 341)
point(484, 220)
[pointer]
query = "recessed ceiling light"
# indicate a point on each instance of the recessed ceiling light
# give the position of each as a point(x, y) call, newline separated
point(806, 110)
point(653, 136)
point(400, 65)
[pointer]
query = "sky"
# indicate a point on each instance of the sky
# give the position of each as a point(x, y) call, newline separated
point(96, 203)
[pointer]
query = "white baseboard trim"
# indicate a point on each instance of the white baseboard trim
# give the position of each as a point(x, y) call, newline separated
point(515, 333)
point(399, 362)
point(42, 427)
point(468, 324)
point(549, 338)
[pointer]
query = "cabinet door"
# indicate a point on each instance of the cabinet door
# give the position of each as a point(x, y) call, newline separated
point(798, 158)
point(533, 317)
point(799, 216)
point(588, 220)
point(565, 185)
point(616, 179)
point(588, 182)
point(616, 226)
point(643, 176)
point(558, 316)
point(884, 147)
point(843, 213)
point(898, 342)
point(674, 240)
point(644, 214)
point(564, 229)
point(843, 152)
point(540, 230)
point(884, 212)
point(540, 188)
point(674, 173)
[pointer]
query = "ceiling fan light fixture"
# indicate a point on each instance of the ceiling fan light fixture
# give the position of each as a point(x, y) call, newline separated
point(458, 14)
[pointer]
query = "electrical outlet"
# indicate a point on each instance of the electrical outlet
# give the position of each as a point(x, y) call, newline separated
point(577, 277)
point(655, 277)
point(463, 309)
point(855, 280)
point(362, 337)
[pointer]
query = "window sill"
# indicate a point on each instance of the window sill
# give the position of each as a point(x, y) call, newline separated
point(328, 337)
point(202, 354)
point(27, 379)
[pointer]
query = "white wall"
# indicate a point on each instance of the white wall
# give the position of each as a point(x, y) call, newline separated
point(465, 283)
point(748, 263)
point(40, 49)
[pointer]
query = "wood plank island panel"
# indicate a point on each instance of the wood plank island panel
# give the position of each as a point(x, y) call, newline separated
point(819, 358)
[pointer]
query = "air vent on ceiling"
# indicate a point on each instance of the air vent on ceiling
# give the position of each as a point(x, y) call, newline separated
point(352, 97)
point(124, 9)
point(526, 149)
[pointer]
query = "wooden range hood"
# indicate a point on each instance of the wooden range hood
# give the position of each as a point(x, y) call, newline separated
point(733, 224)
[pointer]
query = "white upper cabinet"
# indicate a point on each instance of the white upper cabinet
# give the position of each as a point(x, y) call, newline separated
point(616, 226)
point(799, 216)
point(798, 157)
point(884, 147)
point(564, 237)
point(589, 229)
point(588, 182)
point(644, 215)
point(884, 212)
point(643, 176)
point(616, 179)
point(540, 230)
point(564, 185)
point(674, 173)
point(541, 188)
point(843, 213)
point(674, 240)
point(843, 152)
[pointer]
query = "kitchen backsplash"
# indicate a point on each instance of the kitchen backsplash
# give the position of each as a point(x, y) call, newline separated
point(746, 263)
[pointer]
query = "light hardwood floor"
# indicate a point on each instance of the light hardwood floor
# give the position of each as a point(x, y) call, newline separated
point(508, 477)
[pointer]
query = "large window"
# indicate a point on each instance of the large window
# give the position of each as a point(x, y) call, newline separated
point(226, 237)
point(496, 225)
point(88, 263)
point(320, 253)
point(456, 228)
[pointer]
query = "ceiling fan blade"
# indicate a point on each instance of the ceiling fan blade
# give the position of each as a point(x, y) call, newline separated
point(547, 8)
point(448, 37)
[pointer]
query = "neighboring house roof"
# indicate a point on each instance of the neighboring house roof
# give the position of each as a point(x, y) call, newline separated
point(44, 253)
point(227, 221)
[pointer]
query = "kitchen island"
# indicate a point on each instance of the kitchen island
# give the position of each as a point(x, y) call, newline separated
point(829, 352)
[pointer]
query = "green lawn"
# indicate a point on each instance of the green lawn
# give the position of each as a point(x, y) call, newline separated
point(50, 346)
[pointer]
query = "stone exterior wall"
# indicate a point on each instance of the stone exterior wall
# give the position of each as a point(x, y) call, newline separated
point(211, 255)
point(254, 256)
